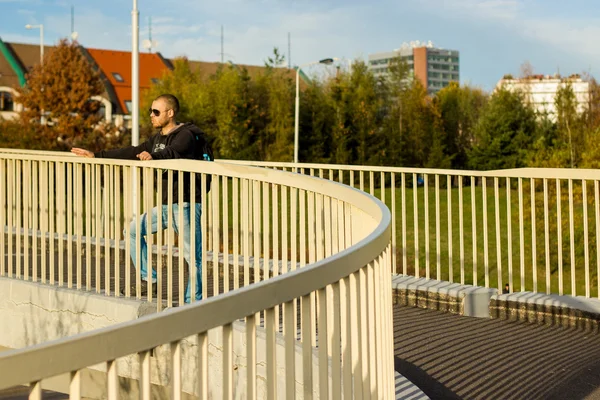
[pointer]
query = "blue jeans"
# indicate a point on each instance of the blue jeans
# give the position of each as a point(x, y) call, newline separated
point(186, 242)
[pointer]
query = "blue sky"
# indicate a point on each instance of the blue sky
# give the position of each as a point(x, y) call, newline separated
point(494, 37)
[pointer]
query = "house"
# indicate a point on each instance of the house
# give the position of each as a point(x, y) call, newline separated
point(115, 71)
point(17, 59)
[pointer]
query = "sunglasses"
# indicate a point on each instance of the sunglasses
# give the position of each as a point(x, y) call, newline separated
point(156, 112)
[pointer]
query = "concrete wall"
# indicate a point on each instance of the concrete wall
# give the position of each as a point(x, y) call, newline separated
point(33, 313)
point(472, 301)
point(572, 312)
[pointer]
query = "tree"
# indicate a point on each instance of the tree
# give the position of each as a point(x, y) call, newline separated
point(394, 90)
point(62, 88)
point(338, 89)
point(276, 60)
point(504, 133)
point(187, 86)
point(591, 149)
point(526, 70)
point(364, 105)
point(569, 123)
point(279, 139)
point(419, 121)
point(459, 107)
point(239, 111)
point(317, 119)
point(591, 156)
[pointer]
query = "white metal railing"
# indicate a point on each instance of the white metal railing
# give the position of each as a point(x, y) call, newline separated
point(551, 242)
point(309, 267)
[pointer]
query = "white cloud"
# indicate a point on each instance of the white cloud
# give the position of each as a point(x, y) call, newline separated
point(314, 35)
point(490, 9)
point(25, 12)
point(570, 35)
point(495, 35)
point(575, 36)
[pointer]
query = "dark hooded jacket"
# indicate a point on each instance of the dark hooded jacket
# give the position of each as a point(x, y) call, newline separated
point(182, 142)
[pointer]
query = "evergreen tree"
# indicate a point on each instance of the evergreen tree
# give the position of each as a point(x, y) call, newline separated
point(504, 133)
point(364, 105)
point(279, 130)
point(339, 89)
point(459, 107)
point(317, 119)
point(394, 88)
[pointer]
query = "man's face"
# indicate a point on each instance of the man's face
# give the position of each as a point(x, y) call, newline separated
point(164, 113)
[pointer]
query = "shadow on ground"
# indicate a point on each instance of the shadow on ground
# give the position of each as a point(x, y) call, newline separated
point(450, 356)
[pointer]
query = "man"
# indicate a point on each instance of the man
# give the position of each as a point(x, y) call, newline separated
point(174, 140)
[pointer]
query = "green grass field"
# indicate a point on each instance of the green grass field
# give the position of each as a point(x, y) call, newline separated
point(470, 254)
point(496, 264)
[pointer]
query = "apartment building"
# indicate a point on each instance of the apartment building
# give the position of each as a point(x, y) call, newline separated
point(540, 91)
point(434, 67)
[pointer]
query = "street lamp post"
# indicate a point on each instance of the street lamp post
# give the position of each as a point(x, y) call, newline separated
point(135, 77)
point(41, 27)
point(326, 61)
point(135, 93)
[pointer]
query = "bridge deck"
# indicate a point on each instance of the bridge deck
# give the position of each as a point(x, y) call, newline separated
point(450, 356)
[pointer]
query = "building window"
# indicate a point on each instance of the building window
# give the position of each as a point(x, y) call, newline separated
point(128, 106)
point(6, 102)
point(118, 77)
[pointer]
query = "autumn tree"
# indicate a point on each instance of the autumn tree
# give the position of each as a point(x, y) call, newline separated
point(59, 93)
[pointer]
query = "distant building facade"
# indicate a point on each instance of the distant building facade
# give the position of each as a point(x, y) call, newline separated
point(114, 67)
point(540, 91)
point(434, 67)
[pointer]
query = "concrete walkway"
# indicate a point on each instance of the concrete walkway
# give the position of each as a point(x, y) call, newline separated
point(451, 357)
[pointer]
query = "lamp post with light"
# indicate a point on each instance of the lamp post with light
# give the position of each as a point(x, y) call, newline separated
point(325, 61)
point(135, 77)
point(41, 27)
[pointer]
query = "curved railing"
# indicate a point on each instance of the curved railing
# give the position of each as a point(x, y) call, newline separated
point(452, 225)
point(305, 263)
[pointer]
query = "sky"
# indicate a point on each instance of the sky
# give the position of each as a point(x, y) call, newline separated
point(494, 37)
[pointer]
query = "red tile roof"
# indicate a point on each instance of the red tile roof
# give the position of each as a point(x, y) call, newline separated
point(152, 66)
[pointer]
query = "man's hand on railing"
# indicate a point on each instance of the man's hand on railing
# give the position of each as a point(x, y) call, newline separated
point(144, 156)
point(82, 152)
